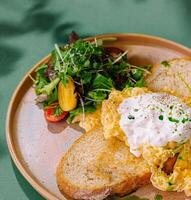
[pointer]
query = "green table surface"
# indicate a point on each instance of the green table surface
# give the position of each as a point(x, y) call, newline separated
point(29, 29)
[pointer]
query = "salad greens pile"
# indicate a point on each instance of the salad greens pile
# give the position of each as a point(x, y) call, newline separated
point(94, 69)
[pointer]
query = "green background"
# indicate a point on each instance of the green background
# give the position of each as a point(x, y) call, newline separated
point(29, 29)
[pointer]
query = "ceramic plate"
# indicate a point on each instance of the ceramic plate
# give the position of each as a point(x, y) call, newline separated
point(37, 146)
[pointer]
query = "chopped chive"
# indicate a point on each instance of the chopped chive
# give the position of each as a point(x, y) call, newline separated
point(158, 197)
point(131, 117)
point(169, 183)
point(173, 120)
point(171, 107)
point(185, 120)
point(165, 63)
point(136, 110)
point(161, 117)
point(169, 188)
point(149, 66)
point(180, 158)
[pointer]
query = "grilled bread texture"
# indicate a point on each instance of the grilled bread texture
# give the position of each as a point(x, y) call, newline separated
point(95, 168)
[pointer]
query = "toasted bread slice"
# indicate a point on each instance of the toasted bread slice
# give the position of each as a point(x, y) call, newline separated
point(171, 76)
point(95, 168)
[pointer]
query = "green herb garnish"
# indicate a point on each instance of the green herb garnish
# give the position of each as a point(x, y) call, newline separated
point(149, 67)
point(48, 88)
point(131, 117)
point(53, 97)
point(185, 120)
point(94, 69)
point(97, 95)
point(137, 74)
point(79, 110)
point(171, 107)
point(102, 82)
point(180, 158)
point(161, 117)
point(171, 119)
point(158, 197)
point(41, 81)
point(170, 184)
point(58, 111)
point(165, 63)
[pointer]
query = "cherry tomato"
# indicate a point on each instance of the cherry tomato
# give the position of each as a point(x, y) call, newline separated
point(51, 115)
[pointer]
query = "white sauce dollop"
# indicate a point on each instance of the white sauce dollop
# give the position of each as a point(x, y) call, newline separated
point(154, 119)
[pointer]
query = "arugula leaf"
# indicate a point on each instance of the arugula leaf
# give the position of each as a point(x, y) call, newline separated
point(130, 83)
point(86, 77)
point(47, 89)
point(79, 110)
point(41, 80)
point(102, 82)
point(55, 60)
point(97, 95)
point(137, 74)
point(41, 69)
point(64, 78)
point(53, 97)
point(140, 82)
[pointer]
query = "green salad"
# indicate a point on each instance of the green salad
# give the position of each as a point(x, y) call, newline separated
point(80, 75)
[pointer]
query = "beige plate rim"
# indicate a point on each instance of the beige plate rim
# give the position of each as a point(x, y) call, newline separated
point(43, 191)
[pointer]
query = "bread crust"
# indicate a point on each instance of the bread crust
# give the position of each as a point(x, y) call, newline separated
point(121, 189)
point(75, 192)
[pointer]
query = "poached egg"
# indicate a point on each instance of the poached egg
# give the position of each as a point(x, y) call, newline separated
point(154, 119)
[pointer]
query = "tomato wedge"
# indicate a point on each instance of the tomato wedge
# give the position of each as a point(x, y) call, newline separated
point(52, 115)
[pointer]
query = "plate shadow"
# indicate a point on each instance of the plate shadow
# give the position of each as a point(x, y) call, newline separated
point(25, 186)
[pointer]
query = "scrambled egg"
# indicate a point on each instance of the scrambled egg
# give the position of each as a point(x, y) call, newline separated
point(108, 117)
point(180, 177)
point(109, 114)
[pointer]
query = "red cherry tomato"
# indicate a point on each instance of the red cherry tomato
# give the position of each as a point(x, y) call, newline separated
point(50, 115)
